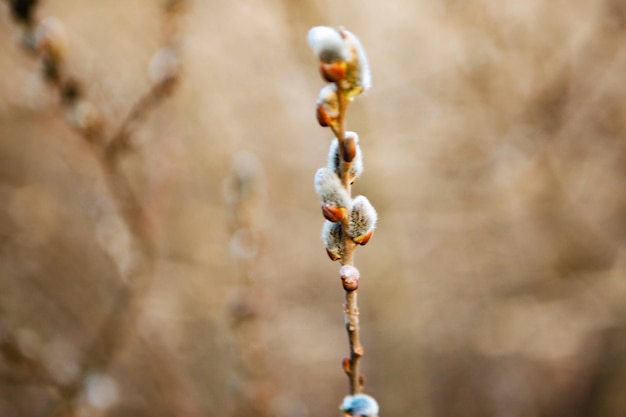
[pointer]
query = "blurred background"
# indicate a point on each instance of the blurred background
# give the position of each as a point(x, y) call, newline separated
point(494, 142)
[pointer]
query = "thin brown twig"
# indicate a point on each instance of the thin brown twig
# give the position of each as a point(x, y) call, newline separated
point(343, 63)
point(147, 102)
point(351, 310)
point(254, 389)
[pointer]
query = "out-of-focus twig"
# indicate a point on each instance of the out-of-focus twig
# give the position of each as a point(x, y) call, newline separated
point(46, 39)
point(252, 391)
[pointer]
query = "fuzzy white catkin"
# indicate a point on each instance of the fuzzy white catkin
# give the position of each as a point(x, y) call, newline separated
point(50, 37)
point(334, 158)
point(328, 44)
point(329, 189)
point(329, 101)
point(363, 217)
point(360, 405)
point(359, 76)
point(164, 65)
point(332, 236)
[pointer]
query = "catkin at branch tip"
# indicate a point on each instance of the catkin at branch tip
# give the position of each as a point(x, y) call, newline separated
point(358, 75)
point(328, 44)
point(342, 58)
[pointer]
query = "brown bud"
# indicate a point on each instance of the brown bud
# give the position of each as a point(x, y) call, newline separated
point(333, 256)
point(50, 39)
point(345, 363)
point(333, 213)
point(348, 151)
point(322, 116)
point(328, 106)
point(363, 239)
point(333, 72)
point(349, 278)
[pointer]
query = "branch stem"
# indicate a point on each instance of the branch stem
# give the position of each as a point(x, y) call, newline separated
point(351, 310)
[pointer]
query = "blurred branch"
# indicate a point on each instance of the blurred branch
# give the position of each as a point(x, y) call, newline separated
point(252, 390)
point(46, 39)
point(119, 141)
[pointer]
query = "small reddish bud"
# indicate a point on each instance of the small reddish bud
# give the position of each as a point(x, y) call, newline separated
point(335, 156)
point(333, 213)
point(333, 256)
point(349, 278)
point(333, 72)
point(322, 116)
point(345, 363)
point(327, 106)
point(349, 148)
point(363, 239)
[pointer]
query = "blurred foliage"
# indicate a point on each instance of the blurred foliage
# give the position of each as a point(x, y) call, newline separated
point(494, 137)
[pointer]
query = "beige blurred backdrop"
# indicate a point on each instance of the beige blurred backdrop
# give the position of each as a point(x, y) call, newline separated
point(495, 153)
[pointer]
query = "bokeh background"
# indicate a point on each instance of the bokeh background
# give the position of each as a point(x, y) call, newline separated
point(494, 142)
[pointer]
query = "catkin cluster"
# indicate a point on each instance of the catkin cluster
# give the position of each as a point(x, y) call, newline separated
point(343, 64)
point(350, 221)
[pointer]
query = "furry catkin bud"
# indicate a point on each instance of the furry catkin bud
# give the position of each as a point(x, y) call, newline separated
point(85, 117)
point(358, 77)
point(349, 278)
point(51, 43)
point(329, 189)
point(328, 106)
point(328, 44)
point(363, 218)
point(50, 39)
point(360, 405)
point(334, 157)
point(332, 236)
point(164, 66)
